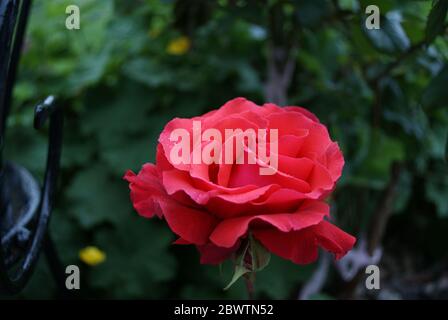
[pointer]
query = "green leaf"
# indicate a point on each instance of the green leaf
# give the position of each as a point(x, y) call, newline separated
point(260, 256)
point(138, 263)
point(148, 72)
point(253, 251)
point(383, 151)
point(240, 266)
point(239, 272)
point(96, 198)
point(391, 37)
point(436, 19)
point(88, 71)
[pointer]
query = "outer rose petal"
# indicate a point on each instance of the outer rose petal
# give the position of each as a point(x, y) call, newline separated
point(334, 160)
point(301, 246)
point(291, 123)
point(303, 111)
point(309, 213)
point(149, 198)
point(178, 181)
point(235, 106)
point(193, 225)
point(146, 190)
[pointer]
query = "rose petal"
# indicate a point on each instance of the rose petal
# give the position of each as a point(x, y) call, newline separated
point(316, 142)
point(192, 225)
point(289, 145)
point(167, 144)
point(234, 106)
point(303, 111)
point(243, 174)
point(292, 123)
point(301, 246)
point(297, 167)
point(146, 190)
point(229, 231)
point(334, 161)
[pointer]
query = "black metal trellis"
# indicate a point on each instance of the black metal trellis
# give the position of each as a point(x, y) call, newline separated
point(25, 208)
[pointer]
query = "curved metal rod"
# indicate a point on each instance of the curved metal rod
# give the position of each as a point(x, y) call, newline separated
point(10, 51)
point(13, 20)
point(14, 284)
point(30, 208)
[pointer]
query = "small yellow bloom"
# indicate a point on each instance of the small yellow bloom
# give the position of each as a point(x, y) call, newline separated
point(92, 256)
point(178, 46)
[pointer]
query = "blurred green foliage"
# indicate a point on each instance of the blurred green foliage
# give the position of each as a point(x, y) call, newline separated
point(119, 85)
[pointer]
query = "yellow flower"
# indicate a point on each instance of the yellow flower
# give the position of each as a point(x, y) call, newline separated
point(178, 46)
point(92, 256)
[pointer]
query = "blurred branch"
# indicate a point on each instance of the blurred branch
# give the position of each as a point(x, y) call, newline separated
point(317, 281)
point(382, 214)
point(377, 225)
point(281, 57)
point(281, 66)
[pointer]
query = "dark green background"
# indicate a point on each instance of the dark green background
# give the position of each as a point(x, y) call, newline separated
point(120, 86)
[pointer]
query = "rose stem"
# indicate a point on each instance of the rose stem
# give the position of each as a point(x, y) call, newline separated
point(249, 286)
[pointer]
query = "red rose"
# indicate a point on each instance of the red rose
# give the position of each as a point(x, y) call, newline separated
point(214, 206)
